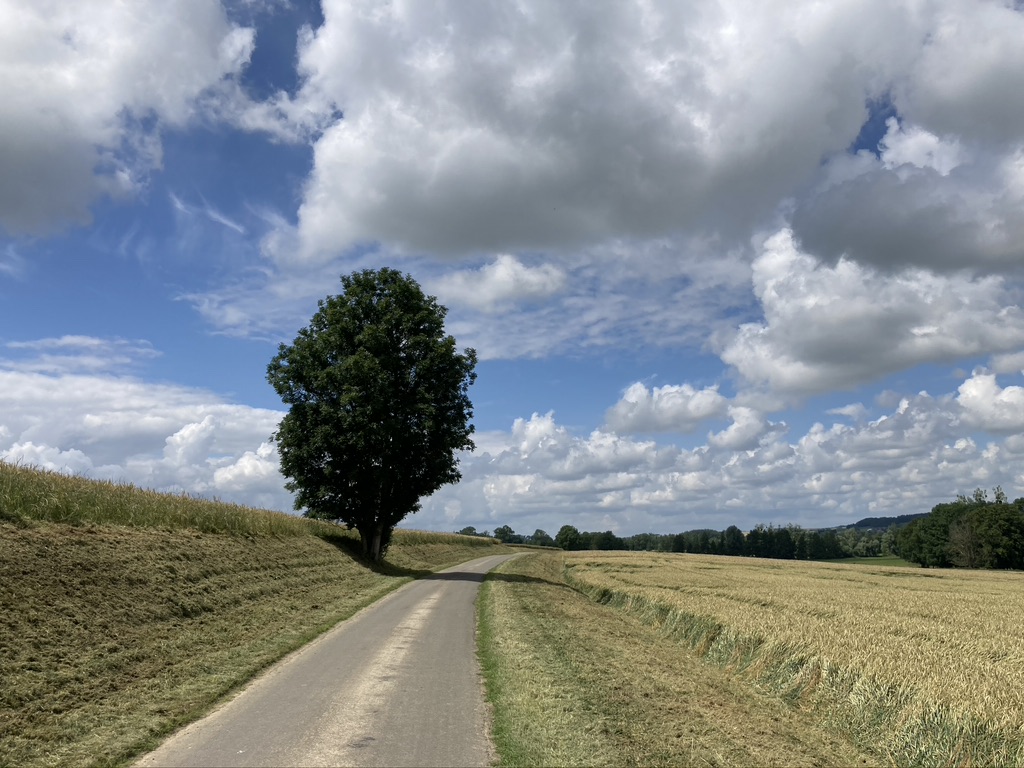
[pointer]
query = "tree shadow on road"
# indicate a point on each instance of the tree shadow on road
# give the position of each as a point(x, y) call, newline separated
point(353, 548)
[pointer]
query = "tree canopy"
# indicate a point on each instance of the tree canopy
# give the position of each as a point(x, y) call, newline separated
point(971, 532)
point(378, 405)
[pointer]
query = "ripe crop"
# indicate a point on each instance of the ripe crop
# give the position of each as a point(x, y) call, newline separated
point(929, 663)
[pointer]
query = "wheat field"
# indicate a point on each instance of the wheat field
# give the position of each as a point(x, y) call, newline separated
point(927, 664)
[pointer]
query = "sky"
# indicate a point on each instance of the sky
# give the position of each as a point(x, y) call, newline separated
point(724, 262)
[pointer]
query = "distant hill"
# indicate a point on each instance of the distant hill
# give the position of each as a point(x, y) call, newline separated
point(882, 523)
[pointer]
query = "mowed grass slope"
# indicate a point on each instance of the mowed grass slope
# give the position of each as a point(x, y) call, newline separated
point(578, 683)
point(125, 614)
point(911, 667)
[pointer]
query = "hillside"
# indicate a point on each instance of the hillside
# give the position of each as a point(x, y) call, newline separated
point(883, 523)
point(124, 613)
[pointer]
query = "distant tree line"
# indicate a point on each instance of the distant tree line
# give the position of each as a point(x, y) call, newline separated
point(789, 543)
point(506, 535)
point(971, 532)
point(786, 543)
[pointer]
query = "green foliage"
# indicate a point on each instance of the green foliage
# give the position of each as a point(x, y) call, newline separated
point(542, 539)
point(649, 542)
point(601, 540)
point(971, 532)
point(378, 405)
point(783, 543)
point(568, 537)
point(506, 535)
point(733, 541)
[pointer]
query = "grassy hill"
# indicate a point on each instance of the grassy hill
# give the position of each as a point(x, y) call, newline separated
point(126, 613)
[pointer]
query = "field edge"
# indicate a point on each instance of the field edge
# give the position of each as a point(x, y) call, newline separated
point(891, 721)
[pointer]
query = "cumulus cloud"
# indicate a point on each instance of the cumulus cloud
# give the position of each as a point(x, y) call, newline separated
point(834, 327)
point(164, 437)
point(919, 148)
point(919, 452)
point(967, 75)
point(1012, 362)
point(614, 159)
point(500, 283)
point(533, 127)
point(670, 408)
point(500, 128)
point(918, 207)
point(989, 406)
point(86, 87)
point(746, 432)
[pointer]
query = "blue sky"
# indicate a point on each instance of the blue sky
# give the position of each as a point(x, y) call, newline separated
point(723, 263)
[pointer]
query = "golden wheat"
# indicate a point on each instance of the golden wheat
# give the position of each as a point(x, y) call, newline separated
point(938, 654)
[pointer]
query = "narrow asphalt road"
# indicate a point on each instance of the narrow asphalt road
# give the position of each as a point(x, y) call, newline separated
point(396, 685)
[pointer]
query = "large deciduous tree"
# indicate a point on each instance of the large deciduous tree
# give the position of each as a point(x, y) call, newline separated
point(568, 537)
point(378, 405)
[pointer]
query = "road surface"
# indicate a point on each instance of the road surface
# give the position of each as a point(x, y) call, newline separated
point(396, 685)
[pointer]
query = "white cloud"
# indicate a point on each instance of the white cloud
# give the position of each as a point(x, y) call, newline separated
point(498, 128)
point(854, 411)
point(211, 213)
point(746, 431)
point(834, 327)
point(968, 75)
point(534, 127)
point(504, 281)
point(684, 286)
point(670, 408)
point(71, 353)
point(991, 407)
point(907, 460)
point(903, 145)
point(12, 263)
point(48, 457)
point(923, 450)
point(163, 437)
point(1012, 362)
point(616, 159)
point(86, 87)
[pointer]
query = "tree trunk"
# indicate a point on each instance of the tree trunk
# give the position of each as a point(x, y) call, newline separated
point(365, 541)
point(378, 535)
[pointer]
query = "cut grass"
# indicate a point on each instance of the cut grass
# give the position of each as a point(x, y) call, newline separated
point(574, 683)
point(127, 619)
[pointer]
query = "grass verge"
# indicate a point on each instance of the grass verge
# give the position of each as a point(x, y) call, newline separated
point(119, 624)
point(574, 682)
